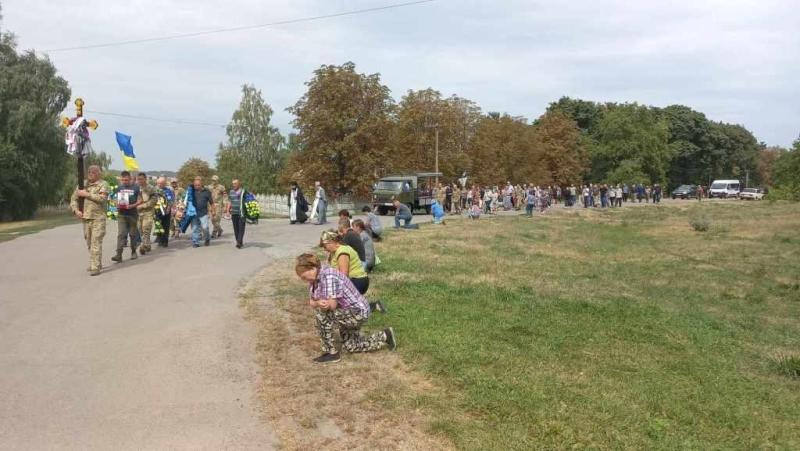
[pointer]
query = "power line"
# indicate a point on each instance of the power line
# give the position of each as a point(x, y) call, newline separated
point(227, 30)
point(156, 119)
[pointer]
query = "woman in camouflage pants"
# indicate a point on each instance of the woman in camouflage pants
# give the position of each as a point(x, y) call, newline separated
point(337, 302)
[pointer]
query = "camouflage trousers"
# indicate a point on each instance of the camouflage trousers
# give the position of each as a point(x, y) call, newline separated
point(349, 324)
point(94, 230)
point(145, 225)
point(175, 227)
point(216, 219)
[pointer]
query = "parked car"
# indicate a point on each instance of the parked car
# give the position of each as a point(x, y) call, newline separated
point(685, 192)
point(725, 188)
point(752, 194)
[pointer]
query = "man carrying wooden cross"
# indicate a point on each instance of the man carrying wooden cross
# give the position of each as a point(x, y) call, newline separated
point(93, 216)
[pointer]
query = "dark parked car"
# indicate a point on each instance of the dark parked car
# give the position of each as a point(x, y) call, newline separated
point(685, 191)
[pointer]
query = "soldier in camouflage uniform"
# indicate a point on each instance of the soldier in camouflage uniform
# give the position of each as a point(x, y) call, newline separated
point(146, 212)
point(180, 193)
point(93, 217)
point(218, 195)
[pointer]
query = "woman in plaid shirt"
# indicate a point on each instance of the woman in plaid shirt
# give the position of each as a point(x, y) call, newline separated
point(337, 302)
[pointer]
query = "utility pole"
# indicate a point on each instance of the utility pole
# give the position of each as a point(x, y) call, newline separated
point(437, 155)
point(747, 178)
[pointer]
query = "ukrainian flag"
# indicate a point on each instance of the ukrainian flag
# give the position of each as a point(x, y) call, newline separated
point(126, 147)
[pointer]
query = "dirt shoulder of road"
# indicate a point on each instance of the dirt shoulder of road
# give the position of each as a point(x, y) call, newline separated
point(42, 221)
point(366, 401)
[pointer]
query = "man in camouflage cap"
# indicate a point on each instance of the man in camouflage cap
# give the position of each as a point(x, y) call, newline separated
point(93, 216)
point(218, 195)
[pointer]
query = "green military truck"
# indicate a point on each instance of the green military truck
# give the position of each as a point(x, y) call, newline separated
point(414, 190)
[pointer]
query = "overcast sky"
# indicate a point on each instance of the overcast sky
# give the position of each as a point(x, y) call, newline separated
point(736, 61)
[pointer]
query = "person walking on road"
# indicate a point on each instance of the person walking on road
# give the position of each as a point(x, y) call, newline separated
point(203, 201)
point(128, 200)
point(338, 304)
point(146, 212)
point(298, 206)
point(218, 194)
point(180, 194)
point(93, 216)
point(321, 200)
point(163, 210)
point(235, 209)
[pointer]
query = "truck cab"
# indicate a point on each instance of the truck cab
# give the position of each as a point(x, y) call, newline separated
point(414, 190)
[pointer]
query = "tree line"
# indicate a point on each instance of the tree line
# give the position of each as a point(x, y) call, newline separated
point(350, 131)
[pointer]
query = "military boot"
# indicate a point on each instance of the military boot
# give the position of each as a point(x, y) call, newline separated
point(117, 258)
point(133, 254)
point(95, 272)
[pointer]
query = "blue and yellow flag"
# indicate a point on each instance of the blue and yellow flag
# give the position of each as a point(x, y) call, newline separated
point(126, 147)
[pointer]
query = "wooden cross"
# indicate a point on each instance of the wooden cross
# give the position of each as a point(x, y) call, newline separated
point(81, 170)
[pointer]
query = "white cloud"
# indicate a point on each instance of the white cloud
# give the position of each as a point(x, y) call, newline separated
point(735, 60)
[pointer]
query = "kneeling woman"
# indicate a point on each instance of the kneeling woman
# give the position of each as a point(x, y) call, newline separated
point(345, 259)
point(336, 302)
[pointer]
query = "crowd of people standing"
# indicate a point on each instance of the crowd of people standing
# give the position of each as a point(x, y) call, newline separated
point(477, 199)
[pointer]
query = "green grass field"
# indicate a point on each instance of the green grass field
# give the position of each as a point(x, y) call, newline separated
point(41, 221)
point(603, 329)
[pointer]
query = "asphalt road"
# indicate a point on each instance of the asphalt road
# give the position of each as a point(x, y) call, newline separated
point(152, 354)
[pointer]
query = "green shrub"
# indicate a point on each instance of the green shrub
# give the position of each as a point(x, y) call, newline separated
point(700, 223)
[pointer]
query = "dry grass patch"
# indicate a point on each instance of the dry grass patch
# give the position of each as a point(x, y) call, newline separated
point(335, 406)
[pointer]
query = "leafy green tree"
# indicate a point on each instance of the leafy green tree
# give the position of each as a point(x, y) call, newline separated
point(787, 175)
point(632, 132)
point(629, 171)
point(690, 143)
point(191, 169)
point(255, 149)
point(32, 156)
point(343, 122)
point(586, 114)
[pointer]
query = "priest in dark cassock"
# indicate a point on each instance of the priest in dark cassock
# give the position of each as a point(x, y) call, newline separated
point(298, 205)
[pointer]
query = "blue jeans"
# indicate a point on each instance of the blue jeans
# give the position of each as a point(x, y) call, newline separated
point(405, 218)
point(197, 224)
point(529, 209)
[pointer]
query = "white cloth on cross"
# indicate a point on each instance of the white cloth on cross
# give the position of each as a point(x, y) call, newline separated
point(77, 138)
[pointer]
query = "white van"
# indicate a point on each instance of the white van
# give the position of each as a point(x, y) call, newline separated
point(725, 188)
